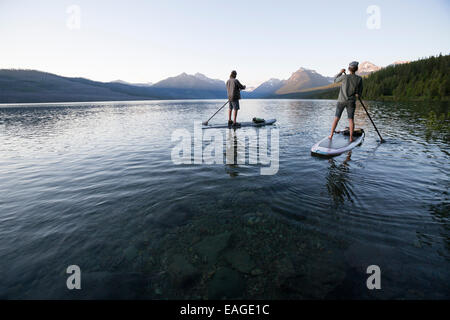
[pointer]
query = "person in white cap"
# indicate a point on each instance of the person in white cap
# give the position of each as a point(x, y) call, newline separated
point(351, 88)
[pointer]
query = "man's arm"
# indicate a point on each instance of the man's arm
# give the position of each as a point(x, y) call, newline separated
point(239, 85)
point(360, 88)
point(340, 76)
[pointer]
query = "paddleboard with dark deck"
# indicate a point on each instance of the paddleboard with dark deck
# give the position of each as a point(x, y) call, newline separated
point(242, 124)
point(339, 144)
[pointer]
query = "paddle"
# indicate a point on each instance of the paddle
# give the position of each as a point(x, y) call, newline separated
point(206, 122)
point(381, 139)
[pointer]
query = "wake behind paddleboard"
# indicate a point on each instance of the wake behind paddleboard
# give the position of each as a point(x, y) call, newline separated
point(339, 144)
point(242, 124)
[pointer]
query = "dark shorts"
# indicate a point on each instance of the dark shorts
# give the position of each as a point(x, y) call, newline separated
point(234, 105)
point(350, 105)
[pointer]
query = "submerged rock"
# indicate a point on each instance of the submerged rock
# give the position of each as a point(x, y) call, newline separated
point(210, 247)
point(256, 272)
point(172, 215)
point(284, 271)
point(158, 291)
point(226, 283)
point(131, 253)
point(183, 273)
point(240, 260)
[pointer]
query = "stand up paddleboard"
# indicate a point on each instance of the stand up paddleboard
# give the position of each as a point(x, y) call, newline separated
point(242, 124)
point(339, 144)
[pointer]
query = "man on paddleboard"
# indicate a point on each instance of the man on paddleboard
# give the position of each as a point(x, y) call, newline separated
point(351, 88)
point(234, 88)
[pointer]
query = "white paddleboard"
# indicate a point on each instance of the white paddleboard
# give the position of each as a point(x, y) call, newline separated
point(339, 144)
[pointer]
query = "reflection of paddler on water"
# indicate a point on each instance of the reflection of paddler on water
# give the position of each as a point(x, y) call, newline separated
point(237, 151)
point(231, 149)
point(339, 184)
point(231, 153)
point(253, 147)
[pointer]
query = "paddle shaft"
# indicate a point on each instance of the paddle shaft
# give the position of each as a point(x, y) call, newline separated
point(206, 122)
point(382, 140)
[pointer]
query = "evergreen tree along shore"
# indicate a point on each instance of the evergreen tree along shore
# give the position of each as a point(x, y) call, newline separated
point(426, 79)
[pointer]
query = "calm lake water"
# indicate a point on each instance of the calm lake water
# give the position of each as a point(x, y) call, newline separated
point(94, 185)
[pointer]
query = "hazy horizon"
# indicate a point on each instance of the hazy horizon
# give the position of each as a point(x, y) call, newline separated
point(150, 41)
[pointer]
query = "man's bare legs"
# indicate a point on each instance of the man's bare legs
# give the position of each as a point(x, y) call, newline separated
point(229, 115)
point(333, 127)
point(351, 126)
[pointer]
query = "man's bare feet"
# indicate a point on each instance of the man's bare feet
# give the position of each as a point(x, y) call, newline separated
point(330, 136)
point(350, 139)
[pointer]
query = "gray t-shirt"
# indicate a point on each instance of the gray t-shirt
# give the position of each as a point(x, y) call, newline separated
point(233, 88)
point(351, 85)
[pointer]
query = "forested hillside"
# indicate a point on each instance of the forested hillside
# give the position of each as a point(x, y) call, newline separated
point(426, 79)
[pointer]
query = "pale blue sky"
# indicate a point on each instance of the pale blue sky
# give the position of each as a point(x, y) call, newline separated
point(146, 41)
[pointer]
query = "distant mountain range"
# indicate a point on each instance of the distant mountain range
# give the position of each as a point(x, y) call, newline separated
point(306, 83)
point(28, 86)
point(196, 81)
point(268, 88)
point(300, 80)
point(366, 68)
point(146, 84)
point(35, 86)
